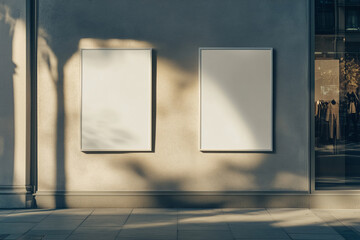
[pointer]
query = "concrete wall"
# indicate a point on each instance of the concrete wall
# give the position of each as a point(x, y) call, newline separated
point(14, 104)
point(175, 29)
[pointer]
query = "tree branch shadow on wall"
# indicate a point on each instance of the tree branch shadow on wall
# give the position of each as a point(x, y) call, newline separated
point(168, 191)
point(60, 202)
point(182, 50)
point(174, 184)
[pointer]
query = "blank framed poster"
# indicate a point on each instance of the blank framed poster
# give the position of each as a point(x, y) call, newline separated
point(236, 99)
point(116, 99)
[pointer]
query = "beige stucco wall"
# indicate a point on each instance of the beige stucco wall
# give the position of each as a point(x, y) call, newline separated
point(14, 103)
point(175, 32)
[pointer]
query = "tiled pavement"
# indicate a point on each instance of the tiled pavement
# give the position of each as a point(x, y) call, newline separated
point(179, 224)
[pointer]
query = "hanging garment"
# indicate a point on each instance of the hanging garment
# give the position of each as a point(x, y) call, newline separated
point(317, 118)
point(323, 124)
point(332, 116)
point(351, 97)
point(352, 108)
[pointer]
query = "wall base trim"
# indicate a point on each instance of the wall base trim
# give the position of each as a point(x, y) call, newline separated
point(50, 199)
point(15, 197)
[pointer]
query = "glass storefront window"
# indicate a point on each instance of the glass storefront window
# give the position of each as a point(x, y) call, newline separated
point(352, 19)
point(337, 91)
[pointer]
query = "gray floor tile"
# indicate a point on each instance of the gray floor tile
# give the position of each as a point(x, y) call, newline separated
point(58, 224)
point(4, 213)
point(150, 221)
point(198, 214)
point(33, 211)
point(203, 226)
point(310, 229)
point(304, 236)
point(71, 213)
point(153, 210)
point(97, 229)
point(150, 228)
point(112, 211)
point(167, 224)
point(95, 236)
point(248, 211)
point(138, 218)
point(204, 235)
point(68, 216)
point(146, 237)
point(154, 215)
point(251, 234)
point(15, 228)
point(110, 221)
point(253, 227)
point(23, 217)
point(151, 233)
point(95, 233)
point(50, 232)
point(3, 236)
point(30, 237)
point(55, 237)
point(16, 236)
point(147, 217)
point(152, 225)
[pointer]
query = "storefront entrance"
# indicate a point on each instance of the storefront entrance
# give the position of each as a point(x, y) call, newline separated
point(337, 89)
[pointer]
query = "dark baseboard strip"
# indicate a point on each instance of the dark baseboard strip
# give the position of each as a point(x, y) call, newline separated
point(193, 200)
point(15, 197)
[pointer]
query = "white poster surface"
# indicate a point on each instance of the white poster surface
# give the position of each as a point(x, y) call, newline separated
point(116, 100)
point(236, 99)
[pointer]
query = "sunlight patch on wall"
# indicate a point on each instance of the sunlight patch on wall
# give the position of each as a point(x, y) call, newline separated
point(79, 161)
point(177, 163)
point(236, 99)
point(21, 93)
point(235, 128)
